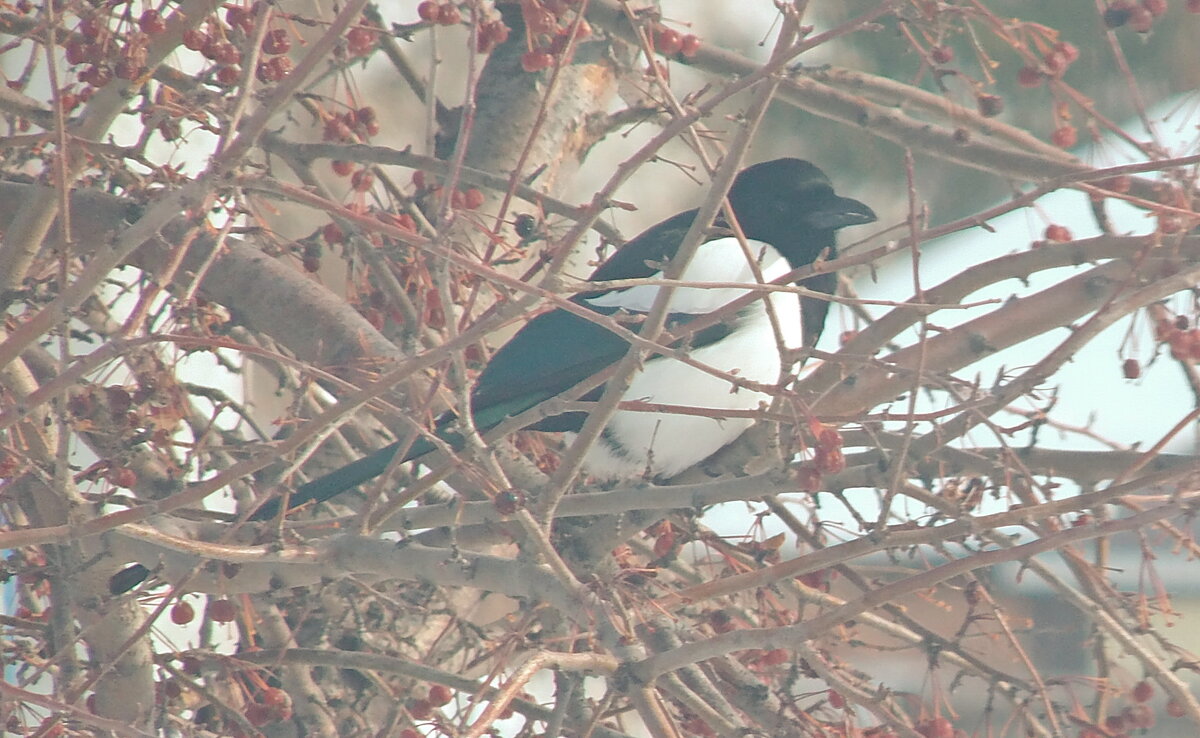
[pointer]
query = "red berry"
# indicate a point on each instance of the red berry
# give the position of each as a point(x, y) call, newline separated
point(1175, 709)
point(222, 611)
point(942, 54)
point(1141, 20)
point(1064, 136)
point(227, 53)
point(124, 477)
point(1055, 63)
point(836, 700)
point(76, 52)
point(273, 69)
point(239, 17)
point(1117, 13)
point(448, 15)
point(668, 42)
point(97, 75)
point(182, 613)
point(490, 35)
point(472, 198)
point(689, 46)
point(361, 41)
point(342, 168)
point(428, 11)
point(195, 39)
point(1068, 51)
point(439, 695)
point(1029, 77)
point(989, 105)
point(332, 233)
point(228, 76)
point(151, 22)
point(420, 709)
point(1155, 7)
point(1131, 369)
point(92, 27)
point(508, 501)
point(1143, 691)
point(362, 180)
point(1058, 233)
point(536, 61)
point(538, 20)
point(277, 41)
point(127, 69)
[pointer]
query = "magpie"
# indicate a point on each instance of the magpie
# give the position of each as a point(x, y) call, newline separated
point(789, 214)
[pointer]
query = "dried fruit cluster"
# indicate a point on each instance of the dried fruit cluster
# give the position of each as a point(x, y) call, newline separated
point(827, 457)
point(1184, 343)
point(550, 26)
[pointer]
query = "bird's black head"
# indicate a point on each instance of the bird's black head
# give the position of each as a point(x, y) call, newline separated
point(790, 204)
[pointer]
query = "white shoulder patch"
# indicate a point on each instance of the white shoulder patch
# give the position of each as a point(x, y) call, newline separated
point(719, 260)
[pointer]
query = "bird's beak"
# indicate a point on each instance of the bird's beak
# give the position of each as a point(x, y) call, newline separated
point(840, 213)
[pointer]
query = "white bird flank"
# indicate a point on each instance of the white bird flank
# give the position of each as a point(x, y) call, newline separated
point(664, 444)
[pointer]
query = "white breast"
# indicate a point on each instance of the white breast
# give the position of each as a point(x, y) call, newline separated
point(665, 444)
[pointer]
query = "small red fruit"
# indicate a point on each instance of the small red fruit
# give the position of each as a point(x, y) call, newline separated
point(277, 41)
point(182, 613)
point(342, 168)
point(942, 54)
point(1143, 691)
point(1131, 368)
point(1058, 233)
point(690, 46)
point(228, 76)
point(420, 709)
point(508, 501)
point(1055, 63)
point(536, 61)
point(1118, 12)
point(151, 22)
point(439, 695)
point(836, 700)
point(538, 20)
point(332, 233)
point(123, 476)
point(222, 611)
point(362, 180)
point(1064, 137)
point(472, 198)
point(428, 11)
point(668, 42)
point(360, 41)
point(448, 15)
point(989, 105)
point(195, 39)
point(1029, 77)
point(1141, 20)
point(1068, 50)
point(1175, 709)
point(1155, 7)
